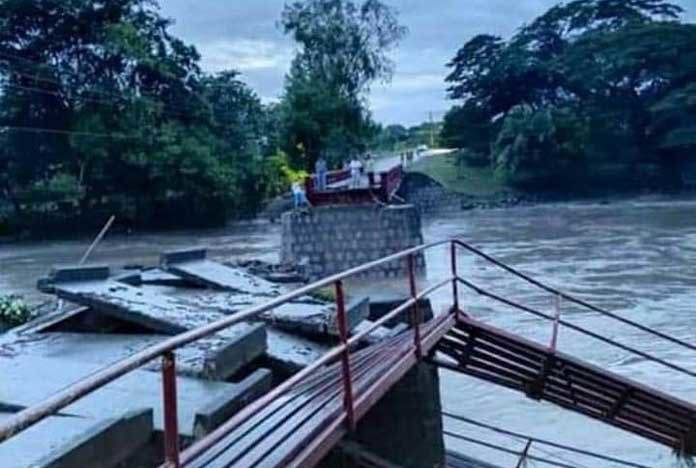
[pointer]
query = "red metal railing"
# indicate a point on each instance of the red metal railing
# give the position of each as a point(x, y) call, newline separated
point(380, 188)
point(166, 351)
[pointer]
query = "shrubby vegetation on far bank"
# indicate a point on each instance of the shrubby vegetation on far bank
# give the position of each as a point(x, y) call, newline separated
point(103, 111)
point(593, 94)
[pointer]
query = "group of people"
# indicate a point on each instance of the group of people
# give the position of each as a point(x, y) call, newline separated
point(357, 167)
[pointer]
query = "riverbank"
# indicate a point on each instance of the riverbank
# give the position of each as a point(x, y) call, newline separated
point(440, 183)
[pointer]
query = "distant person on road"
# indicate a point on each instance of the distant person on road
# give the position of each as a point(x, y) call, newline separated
point(299, 198)
point(355, 172)
point(321, 169)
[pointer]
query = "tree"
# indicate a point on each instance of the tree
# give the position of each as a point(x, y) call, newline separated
point(343, 49)
point(605, 62)
point(101, 107)
point(539, 149)
point(469, 127)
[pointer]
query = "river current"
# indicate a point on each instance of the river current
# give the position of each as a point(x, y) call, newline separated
point(636, 258)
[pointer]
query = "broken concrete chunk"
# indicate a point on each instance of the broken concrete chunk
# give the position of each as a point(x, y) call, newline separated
point(288, 353)
point(155, 311)
point(68, 442)
point(29, 380)
point(380, 333)
point(182, 255)
point(219, 356)
point(305, 315)
point(238, 396)
point(215, 356)
point(193, 266)
point(159, 277)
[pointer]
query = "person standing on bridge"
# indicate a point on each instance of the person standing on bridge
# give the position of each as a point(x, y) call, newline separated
point(355, 172)
point(299, 197)
point(320, 168)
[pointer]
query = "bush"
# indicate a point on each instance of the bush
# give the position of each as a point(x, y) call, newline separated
point(13, 311)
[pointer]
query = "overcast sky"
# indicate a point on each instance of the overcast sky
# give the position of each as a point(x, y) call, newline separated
point(243, 35)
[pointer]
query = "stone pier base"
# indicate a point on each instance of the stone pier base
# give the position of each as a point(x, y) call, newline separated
point(403, 429)
point(332, 239)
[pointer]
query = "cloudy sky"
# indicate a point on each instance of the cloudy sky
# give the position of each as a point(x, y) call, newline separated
point(244, 35)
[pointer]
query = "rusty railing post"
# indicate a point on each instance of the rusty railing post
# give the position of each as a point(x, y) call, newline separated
point(556, 320)
point(525, 454)
point(415, 312)
point(171, 421)
point(345, 355)
point(455, 283)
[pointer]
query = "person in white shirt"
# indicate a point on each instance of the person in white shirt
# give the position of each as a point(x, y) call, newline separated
point(298, 195)
point(355, 173)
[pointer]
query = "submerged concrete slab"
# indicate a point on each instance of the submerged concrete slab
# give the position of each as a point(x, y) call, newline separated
point(28, 380)
point(193, 265)
point(70, 442)
point(216, 356)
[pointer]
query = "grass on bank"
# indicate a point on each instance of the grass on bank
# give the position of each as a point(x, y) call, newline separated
point(464, 179)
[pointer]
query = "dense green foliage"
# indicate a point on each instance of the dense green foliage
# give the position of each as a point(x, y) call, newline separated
point(104, 111)
point(592, 93)
point(343, 49)
point(397, 138)
point(13, 311)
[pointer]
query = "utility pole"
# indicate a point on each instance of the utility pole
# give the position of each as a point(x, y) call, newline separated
point(432, 130)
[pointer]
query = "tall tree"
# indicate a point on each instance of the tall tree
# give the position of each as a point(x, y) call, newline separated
point(595, 67)
point(344, 48)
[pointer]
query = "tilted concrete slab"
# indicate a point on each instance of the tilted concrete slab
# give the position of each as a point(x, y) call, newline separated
point(305, 315)
point(70, 442)
point(216, 356)
point(28, 380)
point(206, 358)
point(194, 266)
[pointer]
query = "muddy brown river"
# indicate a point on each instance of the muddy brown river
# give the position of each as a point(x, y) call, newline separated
point(636, 258)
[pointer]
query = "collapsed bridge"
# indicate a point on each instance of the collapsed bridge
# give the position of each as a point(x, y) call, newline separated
point(299, 421)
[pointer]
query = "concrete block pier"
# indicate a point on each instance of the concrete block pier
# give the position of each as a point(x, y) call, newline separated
point(332, 239)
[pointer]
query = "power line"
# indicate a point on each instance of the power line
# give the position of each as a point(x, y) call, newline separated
point(68, 132)
point(93, 100)
point(44, 67)
point(142, 92)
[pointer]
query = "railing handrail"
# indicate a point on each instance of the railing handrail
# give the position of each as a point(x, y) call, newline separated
point(569, 297)
point(65, 397)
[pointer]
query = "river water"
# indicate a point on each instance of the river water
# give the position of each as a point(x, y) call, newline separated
point(636, 258)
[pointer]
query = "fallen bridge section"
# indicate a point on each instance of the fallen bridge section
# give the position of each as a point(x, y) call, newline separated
point(485, 352)
point(300, 427)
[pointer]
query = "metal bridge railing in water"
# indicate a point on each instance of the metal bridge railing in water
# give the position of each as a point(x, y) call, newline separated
point(166, 351)
point(558, 321)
